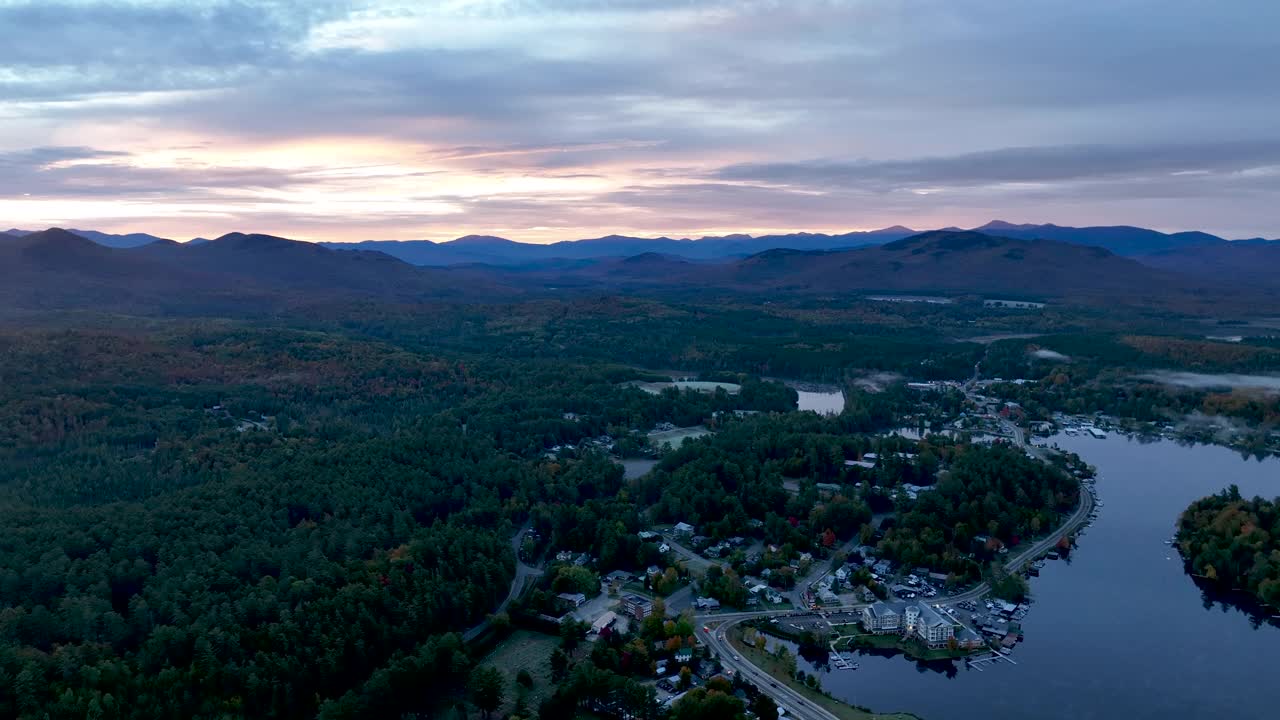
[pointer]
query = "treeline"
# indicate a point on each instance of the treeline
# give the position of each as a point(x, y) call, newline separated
point(1234, 542)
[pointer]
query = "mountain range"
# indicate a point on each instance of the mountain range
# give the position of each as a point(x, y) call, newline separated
point(251, 273)
point(491, 250)
point(58, 269)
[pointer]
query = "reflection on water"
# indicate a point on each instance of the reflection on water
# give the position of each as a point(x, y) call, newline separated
point(1121, 631)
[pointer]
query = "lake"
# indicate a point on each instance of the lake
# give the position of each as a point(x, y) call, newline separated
point(823, 403)
point(1119, 630)
point(822, 399)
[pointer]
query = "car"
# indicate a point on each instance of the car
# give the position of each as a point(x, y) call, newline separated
point(735, 657)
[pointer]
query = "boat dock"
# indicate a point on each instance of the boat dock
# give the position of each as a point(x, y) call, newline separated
point(991, 659)
point(839, 661)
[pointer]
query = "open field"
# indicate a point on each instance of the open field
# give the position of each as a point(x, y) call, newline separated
point(524, 650)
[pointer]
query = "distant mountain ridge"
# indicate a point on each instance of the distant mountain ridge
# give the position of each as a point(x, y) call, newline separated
point(128, 240)
point(59, 269)
point(1119, 239)
point(964, 262)
point(493, 250)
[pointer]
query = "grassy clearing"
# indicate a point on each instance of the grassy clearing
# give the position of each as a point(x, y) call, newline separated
point(524, 650)
point(770, 664)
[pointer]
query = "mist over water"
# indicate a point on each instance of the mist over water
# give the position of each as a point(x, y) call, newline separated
point(1204, 381)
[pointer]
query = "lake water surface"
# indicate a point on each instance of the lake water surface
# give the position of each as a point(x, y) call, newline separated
point(1120, 630)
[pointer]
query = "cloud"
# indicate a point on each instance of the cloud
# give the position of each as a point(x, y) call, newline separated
point(1199, 381)
point(669, 115)
point(1020, 165)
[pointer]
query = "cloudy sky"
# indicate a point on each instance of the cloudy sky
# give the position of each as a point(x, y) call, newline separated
point(555, 119)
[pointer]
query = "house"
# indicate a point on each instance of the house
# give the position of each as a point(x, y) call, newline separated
point(881, 618)
point(571, 600)
point(637, 606)
point(618, 578)
point(653, 571)
point(684, 655)
point(664, 548)
point(648, 535)
point(864, 464)
point(604, 621)
point(682, 528)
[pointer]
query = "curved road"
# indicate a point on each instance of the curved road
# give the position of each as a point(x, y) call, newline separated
point(797, 705)
point(524, 573)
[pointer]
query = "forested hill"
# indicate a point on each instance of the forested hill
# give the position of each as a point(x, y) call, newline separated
point(1234, 542)
point(210, 521)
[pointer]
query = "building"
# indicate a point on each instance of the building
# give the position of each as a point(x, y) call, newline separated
point(571, 600)
point(637, 606)
point(706, 603)
point(604, 621)
point(915, 619)
point(882, 618)
point(682, 528)
point(968, 639)
point(684, 655)
point(931, 627)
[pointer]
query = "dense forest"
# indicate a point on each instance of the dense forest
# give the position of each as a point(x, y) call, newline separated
point(299, 517)
point(206, 519)
point(1234, 542)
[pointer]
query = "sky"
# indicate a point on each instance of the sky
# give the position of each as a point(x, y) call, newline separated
point(544, 120)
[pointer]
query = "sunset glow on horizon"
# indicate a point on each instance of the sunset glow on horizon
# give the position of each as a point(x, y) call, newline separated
point(566, 119)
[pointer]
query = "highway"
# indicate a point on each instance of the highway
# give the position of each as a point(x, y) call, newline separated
point(797, 705)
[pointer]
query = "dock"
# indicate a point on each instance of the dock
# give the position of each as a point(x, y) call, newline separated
point(839, 661)
point(992, 658)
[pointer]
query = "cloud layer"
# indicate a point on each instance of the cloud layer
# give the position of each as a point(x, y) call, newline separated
point(547, 119)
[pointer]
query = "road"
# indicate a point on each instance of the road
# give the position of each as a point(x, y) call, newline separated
point(797, 705)
point(524, 573)
point(816, 570)
point(1015, 563)
point(696, 562)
